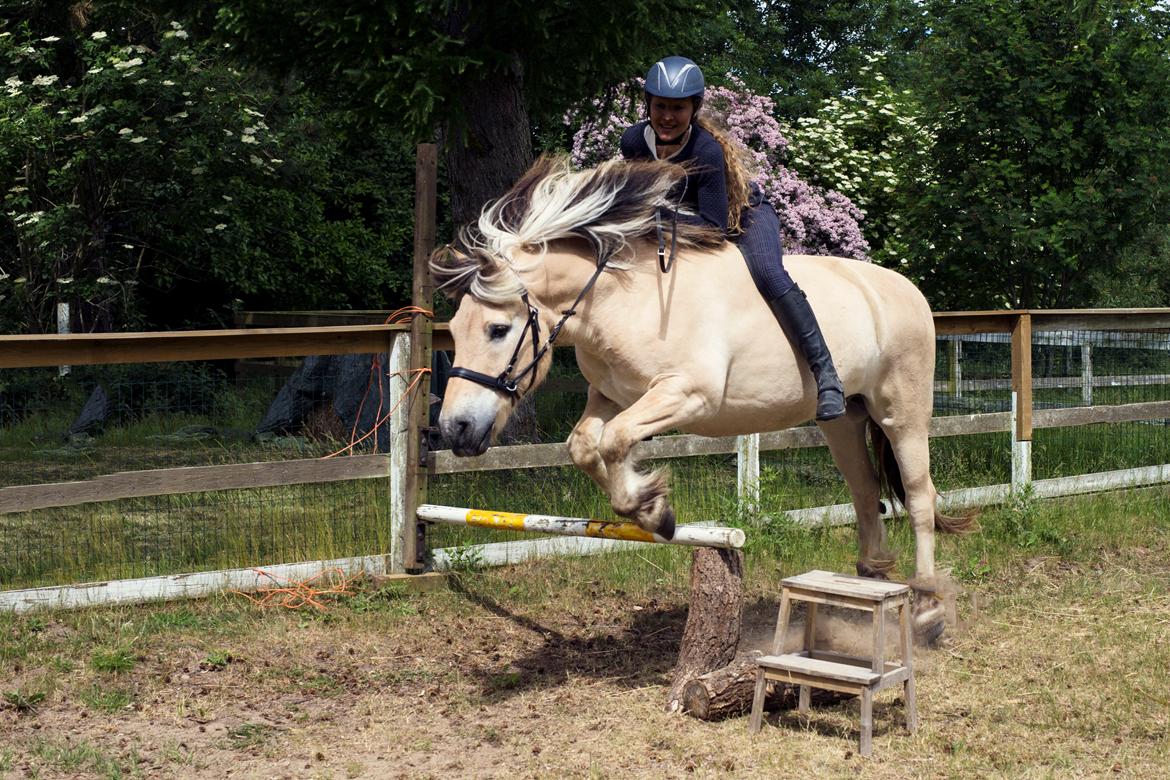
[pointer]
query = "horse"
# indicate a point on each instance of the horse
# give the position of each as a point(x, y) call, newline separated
point(689, 346)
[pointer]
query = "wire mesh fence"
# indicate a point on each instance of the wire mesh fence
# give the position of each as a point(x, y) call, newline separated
point(88, 423)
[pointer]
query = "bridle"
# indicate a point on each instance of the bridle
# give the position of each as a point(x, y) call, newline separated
point(505, 382)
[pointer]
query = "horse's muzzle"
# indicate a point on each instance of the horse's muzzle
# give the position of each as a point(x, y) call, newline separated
point(466, 435)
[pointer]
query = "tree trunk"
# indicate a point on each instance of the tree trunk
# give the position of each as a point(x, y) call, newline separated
point(728, 692)
point(713, 621)
point(491, 148)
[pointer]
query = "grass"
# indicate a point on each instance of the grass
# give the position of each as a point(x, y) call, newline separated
point(1060, 643)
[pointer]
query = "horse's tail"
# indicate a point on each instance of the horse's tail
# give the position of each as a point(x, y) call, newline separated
point(890, 481)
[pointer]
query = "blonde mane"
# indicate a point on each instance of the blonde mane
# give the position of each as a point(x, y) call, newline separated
point(609, 206)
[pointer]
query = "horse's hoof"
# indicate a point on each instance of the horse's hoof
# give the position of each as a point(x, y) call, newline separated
point(929, 622)
point(865, 570)
point(666, 525)
point(930, 633)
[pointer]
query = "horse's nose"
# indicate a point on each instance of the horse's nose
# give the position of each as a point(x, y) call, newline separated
point(464, 434)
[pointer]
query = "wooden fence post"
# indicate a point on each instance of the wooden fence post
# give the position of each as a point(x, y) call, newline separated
point(1087, 374)
point(422, 296)
point(955, 367)
point(402, 516)
point(747, 468)
point(1021, 403)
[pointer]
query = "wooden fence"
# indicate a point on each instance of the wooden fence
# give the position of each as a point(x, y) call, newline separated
point(404, 470)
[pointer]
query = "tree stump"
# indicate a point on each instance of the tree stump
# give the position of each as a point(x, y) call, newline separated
point(728, 691)
point(713, 621)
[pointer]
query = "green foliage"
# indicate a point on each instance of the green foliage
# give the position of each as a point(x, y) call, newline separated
point(114, 660)
point(24, 702)
point(147, 180)
point(413, 59)
point(864, 143)
point(804, 53)
point(104, 699)
point(1050, 154)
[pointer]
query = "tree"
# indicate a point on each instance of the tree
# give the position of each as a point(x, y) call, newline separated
point(804, 52)
point(135, 160)
point(481, 74)
point(1050, 152)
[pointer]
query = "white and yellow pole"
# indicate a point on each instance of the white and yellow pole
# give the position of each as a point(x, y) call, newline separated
point(685, 535)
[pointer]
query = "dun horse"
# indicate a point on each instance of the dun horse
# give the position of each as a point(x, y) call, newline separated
point(694, 349)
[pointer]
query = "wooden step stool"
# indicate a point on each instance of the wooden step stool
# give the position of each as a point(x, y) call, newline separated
point(836, 671)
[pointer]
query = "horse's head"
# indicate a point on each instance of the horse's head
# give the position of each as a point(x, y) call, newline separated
point(499, 333)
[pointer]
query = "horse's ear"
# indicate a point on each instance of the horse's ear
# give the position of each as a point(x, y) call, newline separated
point(452, 271)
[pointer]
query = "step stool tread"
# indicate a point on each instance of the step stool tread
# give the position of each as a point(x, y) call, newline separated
point(833, 670)
point(846, 585)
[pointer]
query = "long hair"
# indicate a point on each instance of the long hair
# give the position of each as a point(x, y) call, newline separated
point(736, 166)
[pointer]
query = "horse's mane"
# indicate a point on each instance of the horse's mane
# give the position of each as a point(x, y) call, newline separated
point(609, 206)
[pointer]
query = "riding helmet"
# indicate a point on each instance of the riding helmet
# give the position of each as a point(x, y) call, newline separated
point(675, 77)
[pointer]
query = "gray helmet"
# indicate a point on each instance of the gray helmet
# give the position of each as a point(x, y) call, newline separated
point(675, 77)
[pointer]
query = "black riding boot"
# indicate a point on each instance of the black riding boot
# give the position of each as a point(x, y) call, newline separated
point(798, 321)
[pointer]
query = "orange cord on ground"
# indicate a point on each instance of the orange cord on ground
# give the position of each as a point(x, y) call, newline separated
point(295, 594)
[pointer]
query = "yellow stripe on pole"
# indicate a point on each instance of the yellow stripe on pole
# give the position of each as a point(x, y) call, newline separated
point(626, 531)
point(483, 518)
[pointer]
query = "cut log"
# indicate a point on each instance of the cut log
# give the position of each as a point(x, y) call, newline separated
point(713, 620)
point(727, 692)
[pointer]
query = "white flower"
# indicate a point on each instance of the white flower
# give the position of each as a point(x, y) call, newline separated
point(127, 246)
point(98, 36)
point(50, 39)
point(12, 82)
point(125, 131)
point(92, 71)
point(228, 198)
point(252, 112)
point(168, 83)
point(220, 226)
point(105, 280)
point(248, 139)
point(197, 170)
point(176, 26)
point(128, 64)
point(77, 120)
point(65, 280)
point(255, 160)
point(176, 34)
point(138, 139)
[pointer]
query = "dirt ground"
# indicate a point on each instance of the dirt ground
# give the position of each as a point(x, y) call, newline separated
point(1059, 672)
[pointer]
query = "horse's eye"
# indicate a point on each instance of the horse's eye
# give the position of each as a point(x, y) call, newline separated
point(497, 332)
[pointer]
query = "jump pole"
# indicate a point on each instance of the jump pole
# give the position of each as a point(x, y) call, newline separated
point(684, 535)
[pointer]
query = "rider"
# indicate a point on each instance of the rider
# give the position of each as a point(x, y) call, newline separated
point(719, 192)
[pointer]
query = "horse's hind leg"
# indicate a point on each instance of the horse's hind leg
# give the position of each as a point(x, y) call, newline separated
point(911, 447)
point(846, 439)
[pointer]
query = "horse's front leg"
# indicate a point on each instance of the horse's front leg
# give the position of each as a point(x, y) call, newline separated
point(672, 401)
point(586, 436)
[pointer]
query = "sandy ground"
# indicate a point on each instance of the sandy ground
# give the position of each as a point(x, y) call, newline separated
point(463, 684)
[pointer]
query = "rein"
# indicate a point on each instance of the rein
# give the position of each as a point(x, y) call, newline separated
point(509, 385)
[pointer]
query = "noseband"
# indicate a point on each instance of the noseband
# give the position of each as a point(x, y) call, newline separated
point(508, 384)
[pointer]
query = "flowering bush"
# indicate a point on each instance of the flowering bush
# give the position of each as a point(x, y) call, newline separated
point(131, 166)
point(863, 144)
point(813, 220)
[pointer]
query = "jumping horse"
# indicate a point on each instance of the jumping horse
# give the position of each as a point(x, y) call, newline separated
point(580, 256)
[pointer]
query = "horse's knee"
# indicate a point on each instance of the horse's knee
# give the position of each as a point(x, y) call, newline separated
point(583, 448)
